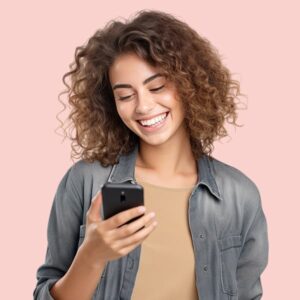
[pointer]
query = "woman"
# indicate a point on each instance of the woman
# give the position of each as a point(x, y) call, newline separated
point(149, 97)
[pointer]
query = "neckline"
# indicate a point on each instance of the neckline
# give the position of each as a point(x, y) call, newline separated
point(164, 187)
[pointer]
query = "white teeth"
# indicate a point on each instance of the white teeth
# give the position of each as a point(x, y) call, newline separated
point(154, 120)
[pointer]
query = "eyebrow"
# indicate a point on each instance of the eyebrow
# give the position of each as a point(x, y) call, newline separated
point(122, 85)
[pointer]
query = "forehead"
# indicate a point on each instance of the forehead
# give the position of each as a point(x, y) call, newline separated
point(129, 67)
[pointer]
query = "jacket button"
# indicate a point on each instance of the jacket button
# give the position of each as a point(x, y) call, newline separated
point(130, 263)
point(205, 268)
point(202, 236)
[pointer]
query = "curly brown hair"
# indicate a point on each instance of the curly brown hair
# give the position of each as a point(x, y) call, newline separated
point(204, 85)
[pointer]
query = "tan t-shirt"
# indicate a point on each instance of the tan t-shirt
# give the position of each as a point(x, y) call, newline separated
point(167, 262)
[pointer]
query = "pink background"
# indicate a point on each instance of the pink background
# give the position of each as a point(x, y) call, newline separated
point(259, 42)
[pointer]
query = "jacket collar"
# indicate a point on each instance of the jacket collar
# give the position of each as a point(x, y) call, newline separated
point(123, 171)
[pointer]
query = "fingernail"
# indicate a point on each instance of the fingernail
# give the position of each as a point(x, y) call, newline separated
point(152, 214)
point(142, 209)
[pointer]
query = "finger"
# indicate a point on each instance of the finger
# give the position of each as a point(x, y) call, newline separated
point(131, 228)
point(137, 238)
point(123, 217)
point(93, 213)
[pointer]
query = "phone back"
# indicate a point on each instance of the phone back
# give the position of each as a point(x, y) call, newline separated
point(118, 197)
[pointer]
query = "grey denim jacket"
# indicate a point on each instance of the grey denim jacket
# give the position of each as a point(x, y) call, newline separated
point(226, 221)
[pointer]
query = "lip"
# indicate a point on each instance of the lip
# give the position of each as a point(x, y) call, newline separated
point(151, 117)
point(155, 128)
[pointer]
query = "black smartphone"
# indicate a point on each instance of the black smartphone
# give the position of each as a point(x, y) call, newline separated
point(118, 197)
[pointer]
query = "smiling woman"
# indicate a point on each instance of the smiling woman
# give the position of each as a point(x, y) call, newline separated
point(168, 46)
point(149, 97)
point(152, 110)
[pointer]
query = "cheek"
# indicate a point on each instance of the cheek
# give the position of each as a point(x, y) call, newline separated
point(123, 111)
point(171, 101)
point(170, 97)
point(176, 106)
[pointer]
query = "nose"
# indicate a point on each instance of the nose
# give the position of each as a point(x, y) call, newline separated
point(145, 104)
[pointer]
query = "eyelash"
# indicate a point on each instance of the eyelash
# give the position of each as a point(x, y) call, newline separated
point(152, 90)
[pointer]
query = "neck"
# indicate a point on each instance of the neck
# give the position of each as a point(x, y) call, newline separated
point(171, 158)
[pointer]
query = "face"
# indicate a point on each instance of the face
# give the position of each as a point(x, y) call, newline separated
point(146, 101)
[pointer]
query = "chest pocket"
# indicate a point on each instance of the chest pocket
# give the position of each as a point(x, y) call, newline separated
point(230, 248)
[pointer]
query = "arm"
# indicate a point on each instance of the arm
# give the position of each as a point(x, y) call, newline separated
point(254, 258)
point(63, 263)
point(80, 281)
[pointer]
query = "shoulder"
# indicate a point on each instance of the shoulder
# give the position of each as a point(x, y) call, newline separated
point(84, 175)
point(226, 173)
point(234, 185)
point(79, 184)
point(84, 170)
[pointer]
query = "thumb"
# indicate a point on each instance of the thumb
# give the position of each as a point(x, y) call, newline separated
point(94, 210)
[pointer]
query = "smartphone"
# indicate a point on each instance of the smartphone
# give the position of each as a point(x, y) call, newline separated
point(118, 197)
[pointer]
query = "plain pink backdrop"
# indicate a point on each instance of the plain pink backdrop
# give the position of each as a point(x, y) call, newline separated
point(259, 42)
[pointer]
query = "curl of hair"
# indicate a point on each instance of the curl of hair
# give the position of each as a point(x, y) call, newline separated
point(203, 83)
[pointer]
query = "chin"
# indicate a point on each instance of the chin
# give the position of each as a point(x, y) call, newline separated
point(153, 141)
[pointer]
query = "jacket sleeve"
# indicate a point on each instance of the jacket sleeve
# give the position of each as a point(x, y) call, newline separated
point(62, 235)
point(254, 256)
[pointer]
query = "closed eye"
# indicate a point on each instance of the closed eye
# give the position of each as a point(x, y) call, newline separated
point(157, 89)
point(123, 98)
point(152, 90)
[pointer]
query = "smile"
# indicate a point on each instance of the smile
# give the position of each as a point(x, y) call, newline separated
point(154, 121)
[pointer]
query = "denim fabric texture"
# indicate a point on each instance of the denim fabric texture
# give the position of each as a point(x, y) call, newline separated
point(226, 220)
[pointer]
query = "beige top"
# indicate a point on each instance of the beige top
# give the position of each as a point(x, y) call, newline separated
point(167, 261)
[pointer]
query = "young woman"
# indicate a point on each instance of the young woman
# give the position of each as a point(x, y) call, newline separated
point(149, 97)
